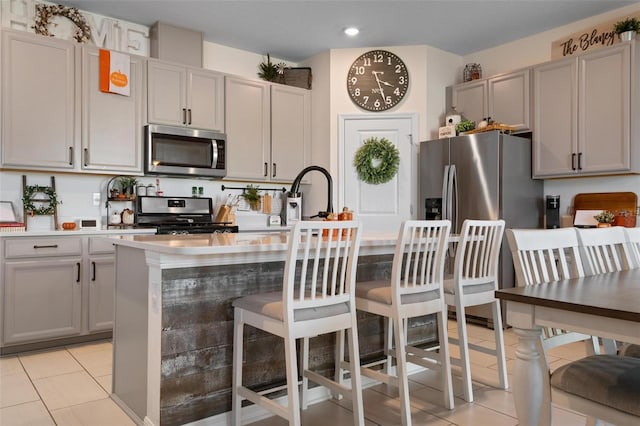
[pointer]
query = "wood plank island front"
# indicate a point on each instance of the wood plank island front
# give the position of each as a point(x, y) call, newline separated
point(173, 329)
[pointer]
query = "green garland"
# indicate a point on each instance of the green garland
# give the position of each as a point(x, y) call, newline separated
point(28, 200)
point(374, 149)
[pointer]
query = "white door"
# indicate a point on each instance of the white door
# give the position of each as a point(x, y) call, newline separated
point(383, 207)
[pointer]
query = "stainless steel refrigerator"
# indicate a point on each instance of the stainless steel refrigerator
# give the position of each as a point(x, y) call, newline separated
point(481, 176)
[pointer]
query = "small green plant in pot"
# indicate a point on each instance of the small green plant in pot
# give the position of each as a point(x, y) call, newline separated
point(623, 27)
point(127, 185)
point(605, 218)
point(252, 195)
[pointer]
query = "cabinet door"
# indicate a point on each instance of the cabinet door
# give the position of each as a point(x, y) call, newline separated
point(555, 93)
point(111, 123)
point(39, 115)
point(290, 131)
point(167, 93)
point(604, 115)
point(205, 90)
point(248, 129)
point(470, 100)
point(42, 299)
point(101, 293)
point(509, 99)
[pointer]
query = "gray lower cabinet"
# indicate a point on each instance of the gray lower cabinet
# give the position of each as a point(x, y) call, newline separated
point(55, 288)
point(42, 299)
point(101, 297)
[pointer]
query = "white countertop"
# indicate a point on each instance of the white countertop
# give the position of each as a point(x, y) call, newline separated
point(228, 243)
point(78, 232)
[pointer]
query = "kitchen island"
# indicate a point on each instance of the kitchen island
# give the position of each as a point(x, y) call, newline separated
point(173, 328)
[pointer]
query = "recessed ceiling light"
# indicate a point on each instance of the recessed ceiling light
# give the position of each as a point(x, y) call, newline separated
point(351, 31)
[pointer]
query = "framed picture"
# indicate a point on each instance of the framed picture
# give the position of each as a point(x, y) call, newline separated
point(7, 213)
point(299, 77)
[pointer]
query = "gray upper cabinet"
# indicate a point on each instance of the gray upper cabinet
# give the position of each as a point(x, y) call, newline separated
point(582, 114)
point(54, 115)
point(111, 123)
point(505, 98)
point(268, 130)
point(185, 96)
point(40, 82)
point(290, 131)
point(248, 129)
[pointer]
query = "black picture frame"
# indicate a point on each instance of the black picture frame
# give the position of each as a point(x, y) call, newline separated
point(298, 77)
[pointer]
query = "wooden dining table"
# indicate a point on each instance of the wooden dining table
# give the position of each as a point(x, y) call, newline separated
point(605, 305)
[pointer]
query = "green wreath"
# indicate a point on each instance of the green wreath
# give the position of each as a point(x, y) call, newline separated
point(28, 200)
point(375, 151)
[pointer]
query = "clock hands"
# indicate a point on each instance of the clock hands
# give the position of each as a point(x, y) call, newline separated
point(375, 74)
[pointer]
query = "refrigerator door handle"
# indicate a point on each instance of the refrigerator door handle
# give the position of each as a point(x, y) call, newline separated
point(445, 194)
point(453, 201)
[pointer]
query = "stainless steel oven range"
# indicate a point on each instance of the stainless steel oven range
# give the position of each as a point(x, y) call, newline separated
point(179, 215)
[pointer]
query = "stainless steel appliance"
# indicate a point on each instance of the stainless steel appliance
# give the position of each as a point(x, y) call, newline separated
point(184, 151)
point(179, 215)
point(483, 176)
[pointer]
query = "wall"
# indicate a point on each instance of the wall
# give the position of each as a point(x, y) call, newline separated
point(536, 49)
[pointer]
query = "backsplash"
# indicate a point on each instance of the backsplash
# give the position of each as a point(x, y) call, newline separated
point(76, 193)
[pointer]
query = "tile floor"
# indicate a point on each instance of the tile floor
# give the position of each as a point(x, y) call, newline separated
point(71, 386)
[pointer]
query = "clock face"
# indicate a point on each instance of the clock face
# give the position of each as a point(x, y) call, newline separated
point(377, 80)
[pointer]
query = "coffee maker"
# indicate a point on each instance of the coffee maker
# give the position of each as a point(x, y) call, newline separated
point(292, 211)
point(553, 211)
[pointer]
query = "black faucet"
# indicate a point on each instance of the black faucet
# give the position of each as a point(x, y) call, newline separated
point(295, 188)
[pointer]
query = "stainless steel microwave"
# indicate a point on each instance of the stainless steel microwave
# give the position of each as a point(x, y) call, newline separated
point(184, 151)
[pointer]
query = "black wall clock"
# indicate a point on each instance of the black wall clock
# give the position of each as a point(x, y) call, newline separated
point(377, 80)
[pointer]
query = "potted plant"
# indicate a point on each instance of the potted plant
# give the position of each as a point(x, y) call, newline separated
point(627, 29)
point(252, 195)
point(268, 70)
point(605, 218)
point(465, 126)
point(127, 185)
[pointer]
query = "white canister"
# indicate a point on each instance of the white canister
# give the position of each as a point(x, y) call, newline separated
point(115, 218)
point(151, 190)
point(141, 190)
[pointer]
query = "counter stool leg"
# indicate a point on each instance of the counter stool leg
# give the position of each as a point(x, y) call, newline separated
point(236, 400)
point(292, 380)
point(401, 367)
point(445, 360)
point(305, 367)
point(356, 378)
point(339, 361)
point(499, 337)
point(463, 343)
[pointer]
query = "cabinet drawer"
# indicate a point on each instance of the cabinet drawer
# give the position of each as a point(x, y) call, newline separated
point(99, 245)
point(36, 247)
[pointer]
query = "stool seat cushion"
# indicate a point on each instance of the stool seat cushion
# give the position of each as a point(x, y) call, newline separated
point(271, 305)
point(609, 380)
point(380, 291)
point(449, 287)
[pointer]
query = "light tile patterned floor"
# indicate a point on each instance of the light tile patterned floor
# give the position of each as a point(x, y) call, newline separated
point(71, 386)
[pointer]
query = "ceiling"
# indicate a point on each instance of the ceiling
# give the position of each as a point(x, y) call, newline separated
point(298, 29)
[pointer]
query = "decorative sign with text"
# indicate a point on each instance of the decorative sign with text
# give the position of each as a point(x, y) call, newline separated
point(598, 36)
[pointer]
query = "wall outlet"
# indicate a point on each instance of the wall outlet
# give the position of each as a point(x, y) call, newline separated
point(96, 199)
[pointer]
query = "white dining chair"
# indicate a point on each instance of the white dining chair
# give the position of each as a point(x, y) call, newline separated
point(633, 246)
point(317, 297)
point(604, 250)
point(474, 282)
point(545, 255)
point(414, 290)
